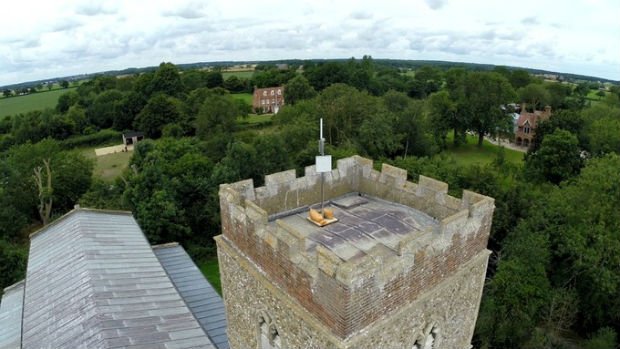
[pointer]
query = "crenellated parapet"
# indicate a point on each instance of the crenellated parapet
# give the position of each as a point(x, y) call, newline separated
point(372, 274)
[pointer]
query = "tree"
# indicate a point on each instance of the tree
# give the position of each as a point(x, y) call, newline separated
point(582, 221)
point(214, 79)
point(167, 80)
point(13, 259)
point(568, 120)
point(484, 94)
point(64, 83)
point(66, 100)
point(218, 114)
point(271, 156)
point(519, 78)
point(193, 79)
point(297, 89)
point(378, 134)
point(127, 110)
point(104, 108)
point(535, 95)
point(169, 190)
point(343, 109)
point(7, 93)
point(558, 93)
point(44, 186)
point(159, 111)
point(234, 84)
point(70, 177)
point(410, 126)
point(557, 159)
point(442, 113)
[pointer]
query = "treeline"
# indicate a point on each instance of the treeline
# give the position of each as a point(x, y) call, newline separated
point(554, 274)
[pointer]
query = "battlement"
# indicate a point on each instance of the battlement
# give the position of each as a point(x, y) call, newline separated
point(395, 240)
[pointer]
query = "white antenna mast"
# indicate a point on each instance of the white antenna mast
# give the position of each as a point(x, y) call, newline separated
point(323, 162)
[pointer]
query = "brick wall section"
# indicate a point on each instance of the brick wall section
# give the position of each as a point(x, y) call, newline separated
point(349, 296)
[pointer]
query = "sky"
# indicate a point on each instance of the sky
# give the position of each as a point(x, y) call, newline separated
point(55, 38)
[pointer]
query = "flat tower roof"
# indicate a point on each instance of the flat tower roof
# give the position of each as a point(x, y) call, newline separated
point(363, 222)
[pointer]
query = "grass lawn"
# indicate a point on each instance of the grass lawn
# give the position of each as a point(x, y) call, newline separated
point(470, 154)
point(108, 167)
point(246, 97)
point(34, 101)
point(245, 74)
point(211, 271)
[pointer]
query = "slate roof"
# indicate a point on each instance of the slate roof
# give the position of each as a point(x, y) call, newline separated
point(363, 222)
point(93, 281)
point(201, 298)
point(11, 316)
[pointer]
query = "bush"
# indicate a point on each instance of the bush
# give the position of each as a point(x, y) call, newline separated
point(604, 338)
point(101, 137)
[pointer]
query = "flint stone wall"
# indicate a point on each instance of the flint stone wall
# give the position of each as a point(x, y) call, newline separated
point(451, 307)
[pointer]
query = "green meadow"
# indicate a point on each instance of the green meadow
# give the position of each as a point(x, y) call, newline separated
point(34, 101)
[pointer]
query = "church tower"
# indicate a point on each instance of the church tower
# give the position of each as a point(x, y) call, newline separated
point(402, 266)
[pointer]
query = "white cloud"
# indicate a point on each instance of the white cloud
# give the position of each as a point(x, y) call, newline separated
point(44, 39)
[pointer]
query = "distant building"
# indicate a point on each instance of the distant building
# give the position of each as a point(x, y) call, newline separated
point(268, 100)
point(131, 138)
point(527, 123)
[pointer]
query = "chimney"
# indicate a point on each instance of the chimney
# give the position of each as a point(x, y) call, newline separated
point(523, 105)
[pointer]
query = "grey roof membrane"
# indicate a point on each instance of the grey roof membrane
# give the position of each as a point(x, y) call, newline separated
point(11, 316)
point(363, 222)
point(201, 298)
point(94, 282)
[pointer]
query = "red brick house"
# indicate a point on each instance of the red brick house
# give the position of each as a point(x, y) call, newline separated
point(268, 100)
point(527, 123)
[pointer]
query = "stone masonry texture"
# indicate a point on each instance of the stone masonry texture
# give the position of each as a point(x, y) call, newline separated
point(389, 296)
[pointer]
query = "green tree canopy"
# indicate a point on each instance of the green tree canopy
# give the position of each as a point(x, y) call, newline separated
point(558, 158)
point(158, 112)
point(167, 80)
point(535, 95)
point(297, 89)
point(484, 94)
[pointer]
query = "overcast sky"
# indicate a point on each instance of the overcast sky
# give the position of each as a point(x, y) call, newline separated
point(45, 39)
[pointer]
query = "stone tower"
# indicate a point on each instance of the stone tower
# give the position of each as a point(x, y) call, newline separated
point(403, 267)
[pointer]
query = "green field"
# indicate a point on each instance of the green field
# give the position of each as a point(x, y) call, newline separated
point(211, 271)
point(31, 102)
point(108, 167)
point(470, 154)
point(246, 97)
point(246, 74)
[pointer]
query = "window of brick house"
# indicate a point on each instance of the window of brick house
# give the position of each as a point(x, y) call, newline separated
point(526, 130)
point(272, 92)
point(264, 93)
point(279, 92)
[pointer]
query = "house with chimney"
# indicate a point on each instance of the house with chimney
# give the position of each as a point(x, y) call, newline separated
point(268, 100)
point(525, 128)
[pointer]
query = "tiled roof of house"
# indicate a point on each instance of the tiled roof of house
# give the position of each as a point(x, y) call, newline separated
point(93, 281)
point(201, 298)
point(525, 116)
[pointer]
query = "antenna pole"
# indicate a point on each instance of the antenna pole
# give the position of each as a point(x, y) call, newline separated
point(322, 152)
